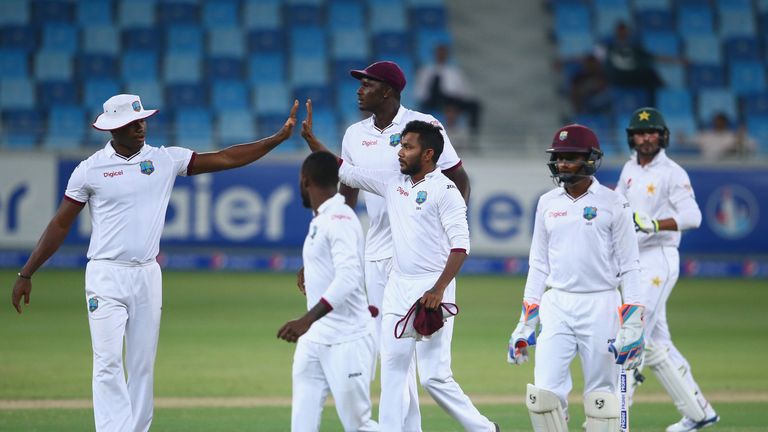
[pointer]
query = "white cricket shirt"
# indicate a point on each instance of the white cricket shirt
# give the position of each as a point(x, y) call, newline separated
point(662, 190)
point(584, 244)
point(428, 219)
point(128, 198)
point(333, 274)
point(366, 146)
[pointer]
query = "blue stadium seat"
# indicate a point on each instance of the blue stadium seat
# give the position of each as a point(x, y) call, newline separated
point(14, 12)
point(23, 37)
point(742, 48)
point(14, 63)
point(391, 43)
point(272, 99)
point(346, 14)
point(129, 15)
point(427, 40)
point(266, 41)
point(661, 43)
point(23, 128)
point(17, 93)
point(408, 66)
point(221, 14)
point(101, 39)
point(57, 93)
point(309, 41)
point(747, 77)
point(186, 95)
point(259, 15)
point(325, 125)
point(346, 100)
point(762, 5)
point(224, 68)
point(95, 12)
point(177, 13)
point(53, 65)
point(97, 91)
point(341, 68)
point(53, 11)
point(266, 68)
point(602, 125)
point(703, 49)
point(651, 4)
point(705, 76)
point(143, 39)
point(230, 95)
point(139, 65)
point(226, 42)
point(429, 17)
point(309, 70)
point(60, 37)
point(150, 91)
point(755, 104)
point(96, 66)
point(757, 128)
point(182, 68)
point(350, 44)
point(626, 100)
point(575, 45)
point(606, 19)
point(712, 101)
point(737, 23)
point(235, 126)
point(695, 20)
point(683, 125)
point(674, 102)
point(387, 17)
point(66, 128)
point(656, 19)
point(193, 129)
point(298, 15)
point(599, 4)
point(184, 38)
point(572, 18)
point(321, 95)
point(271, 123)
point(734, 5)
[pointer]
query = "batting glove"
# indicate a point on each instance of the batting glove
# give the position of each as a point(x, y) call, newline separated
point(629, 344)
point(644, 223)
point(524, 334)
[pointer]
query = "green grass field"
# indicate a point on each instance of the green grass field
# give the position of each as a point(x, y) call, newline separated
point(221, 368)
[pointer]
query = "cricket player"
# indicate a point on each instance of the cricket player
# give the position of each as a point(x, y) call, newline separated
point(428, 220)
point(583, 248)
point(660, 194)
point(127, 185)
point(336, 347)
point(374, 143)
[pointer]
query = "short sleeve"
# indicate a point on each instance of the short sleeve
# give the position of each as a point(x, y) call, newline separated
point(182, 158)
point(77, 187)
point(449, 159)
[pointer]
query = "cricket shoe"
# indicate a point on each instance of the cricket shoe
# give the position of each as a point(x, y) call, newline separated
point(686, 425)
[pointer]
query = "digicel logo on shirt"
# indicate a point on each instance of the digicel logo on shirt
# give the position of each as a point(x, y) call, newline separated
point(367, 143)
point(113, 173)
point(402, 191)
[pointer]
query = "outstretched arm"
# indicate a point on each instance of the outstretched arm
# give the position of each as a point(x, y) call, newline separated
point(49, 242)
point(242, 154)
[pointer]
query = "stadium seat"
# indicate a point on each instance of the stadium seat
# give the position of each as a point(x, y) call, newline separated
point(271, 123)
point(230, 95)
point(713, 101)
point(695, 20)
point(95, 12)
point(100, 39)
point(66, 128)
point(128, 15)
point(57, 93)
point(341, 68)
point(259, 15)
point(266, 41)
point(757, 128)
point(272, 99)
point(429, 17)
point(661, 43)
point(186, 95)
point(350, 44)
point(14, 12)
point(346, 100)
point(427, 40)
point(14, 63)
point(308, 70)
point(309, 41)
point(660, 20)
point(222, 14)
point(139, 65)
point(737, 23)
point(224, 68)
point(322, 96)
point(177, 13)
point(575, 45)
point(22, 37)
point(193, 129)
point(607, 17)
point(570, 18)
point(235, 126)
point(734, 5)
point(703, 49)
point(747, 77)
point(143, 39)
point(226, 42)
point(387, 17)
point(346, 14)
point(755, 104)
point(266, 68)
point(96, 66)
point(184, 38)
point(60, 37)
point(674, 102)
point(391, 43)
point(300, 15)
point(52, 65)
point(97, 91)
point(326, 128)
point(17, 93)
point(182, 68)
point(651, 4)
point(44, 11)
point(705, 76)
point(150, 91)
point(742, 48)
point(22, 128)
point(626, 100)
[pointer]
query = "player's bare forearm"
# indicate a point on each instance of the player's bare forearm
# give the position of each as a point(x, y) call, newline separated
point(669, 224)
point(242, 154)
point(350, 194)
point(433, 297)
point(460, 178)
point(292, 330)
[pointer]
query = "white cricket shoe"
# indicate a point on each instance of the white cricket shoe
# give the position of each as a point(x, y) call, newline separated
point(687, 425)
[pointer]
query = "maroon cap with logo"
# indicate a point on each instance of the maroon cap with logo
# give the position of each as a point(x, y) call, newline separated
point(384, 71)
point(574, 138)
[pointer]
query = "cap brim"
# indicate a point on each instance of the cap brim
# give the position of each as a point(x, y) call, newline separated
point(103, 123)
point(360, 74)
point(568, 150)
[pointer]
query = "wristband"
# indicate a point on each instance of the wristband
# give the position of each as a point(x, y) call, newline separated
point(23, 277)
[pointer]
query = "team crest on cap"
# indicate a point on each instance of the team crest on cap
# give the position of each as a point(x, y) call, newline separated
point(93, 304)
point(136, 105)
point(590, 213)
point(644, 115)
point(394, 140)
point(563, 135)
point(147, 167)
point(421, 196)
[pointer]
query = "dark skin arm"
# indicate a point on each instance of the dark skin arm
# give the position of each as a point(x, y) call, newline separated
point(292, 330)
point(242, 154)
point(433, 297)
point(49, 243)
point(667, 224)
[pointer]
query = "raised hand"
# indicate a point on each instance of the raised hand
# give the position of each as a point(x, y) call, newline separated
point(287, 130)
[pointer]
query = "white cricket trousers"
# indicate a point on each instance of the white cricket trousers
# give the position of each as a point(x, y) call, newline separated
point(659, 270)
point(572, 323)
point(125, 303)
point(342, 369)
point(433, 359)
point(376, 277)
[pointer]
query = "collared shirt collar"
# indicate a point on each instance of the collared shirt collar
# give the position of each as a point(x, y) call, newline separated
point(660, 157)
point(111, 151)
point(590, 189)
point(395, 121)
point(330, 203)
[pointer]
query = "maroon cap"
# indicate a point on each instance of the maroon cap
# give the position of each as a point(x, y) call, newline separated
point(384, 71)
point(574, 138)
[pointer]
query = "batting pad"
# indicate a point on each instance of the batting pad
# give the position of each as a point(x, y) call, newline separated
point(602, 411)
point(687, 399)
point(545, 410)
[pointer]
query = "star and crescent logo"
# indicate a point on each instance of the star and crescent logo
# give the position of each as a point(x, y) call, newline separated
point(644, 116)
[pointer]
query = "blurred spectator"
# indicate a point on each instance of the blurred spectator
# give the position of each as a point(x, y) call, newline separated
point(442, 84)
point(627, 63)
point(721, 139)
point(590, 88)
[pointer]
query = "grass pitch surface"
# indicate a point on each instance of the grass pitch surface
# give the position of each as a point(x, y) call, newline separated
point(220, 366)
